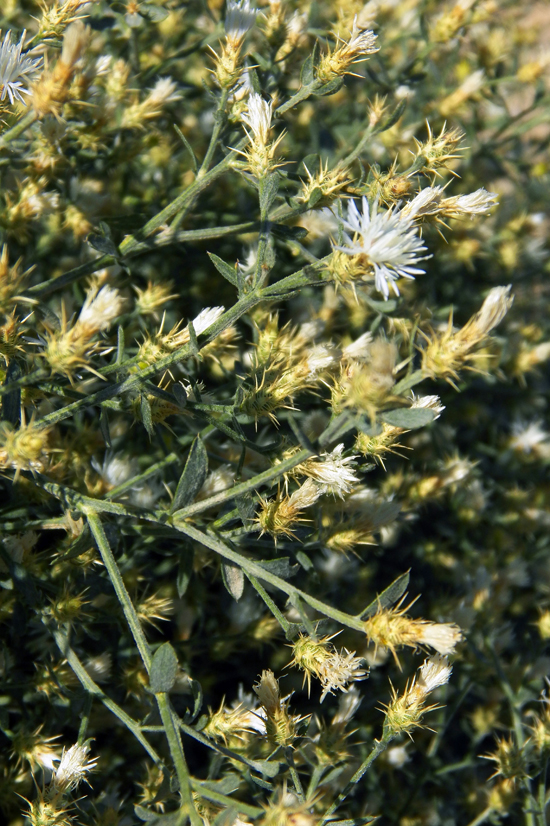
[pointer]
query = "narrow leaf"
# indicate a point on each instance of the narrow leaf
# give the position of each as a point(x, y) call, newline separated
point(185, 571)
point(193, 476)
point(388, 597)
point(228, 272)
point(189, 148)
point(408, 417)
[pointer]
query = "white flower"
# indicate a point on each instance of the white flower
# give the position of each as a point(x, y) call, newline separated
point(305, 496)
point(442, 636)
point(361, 42)
point(116, 468)
point(101, 308)
point(528, 438)
point(388, 240)
point(340, 669)
point(434, 673)
point(429, 403)
point(359, 350)
point(397, 756)
point(164, 91)
point(493, 309)
point(206, 318)
point(476, 203)
point(239, 19)
point(348, 704)
point(99, 668)
point(72, 768)
point(319, 358)
point(216, 481)
point(258, 118)
point(15, 69)
point(319, 223)
point(425, 202)
point(335, 473)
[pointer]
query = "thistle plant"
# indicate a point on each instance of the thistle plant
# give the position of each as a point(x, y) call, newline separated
point(273, 386)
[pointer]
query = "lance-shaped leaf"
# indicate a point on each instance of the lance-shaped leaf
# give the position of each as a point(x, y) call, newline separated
point(193, 476)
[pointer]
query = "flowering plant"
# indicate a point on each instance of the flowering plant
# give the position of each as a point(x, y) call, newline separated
point(273, 332)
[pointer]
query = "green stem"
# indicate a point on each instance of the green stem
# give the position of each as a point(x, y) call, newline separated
point(118, 584)
point(178, 758)
point(26, 121)
point(218, 127)
point(91, 507)
point(283, 622)
point(298, 788)
point(481, 818)
point(257, 481)
point(314, 780)
point(377, 749)
point(85, 720)
point(93, 689)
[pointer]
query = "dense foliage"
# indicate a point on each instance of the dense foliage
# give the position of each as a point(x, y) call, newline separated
point(274, 500)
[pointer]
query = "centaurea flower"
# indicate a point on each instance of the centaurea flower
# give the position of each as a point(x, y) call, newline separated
point(72, 769)
point(15, 69)
point(388, 241)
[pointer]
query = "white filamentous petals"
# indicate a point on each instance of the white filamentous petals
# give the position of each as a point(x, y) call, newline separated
point(15, 69)
point(389, 240)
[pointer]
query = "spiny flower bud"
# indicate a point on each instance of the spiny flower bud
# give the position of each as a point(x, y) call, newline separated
point(437, 152)
point(279, 516)
point(280, 724)
point(404, 713)
point(26, 448)
point(322, 188)
point(338, 61)
point(391, 628)
point(260, 154)
point(449, 350)
point(510, 758)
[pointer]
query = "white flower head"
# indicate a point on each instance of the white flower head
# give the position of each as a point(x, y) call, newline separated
point(116, 468)
point(348, 704)
point(99, 668)
point(476, 203)
point(335, 473)
point(164, 91)
point(359, 350)
point(397, 756)
point(258, 118)
point(429, 403)
point(101, 307)
point(493, 309)
point(442, 636)
point(72, 769)
point(362, 41)
point(341, 668)
point(528, 438)
point(240, 17)
point(389, 241)
point(425, 202)
point(206, 318)
point(434, 673)
point(305, 496)
point(320, 358)
point(15, 69)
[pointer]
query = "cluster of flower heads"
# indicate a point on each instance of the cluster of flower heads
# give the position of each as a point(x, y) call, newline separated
point(215, 466)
